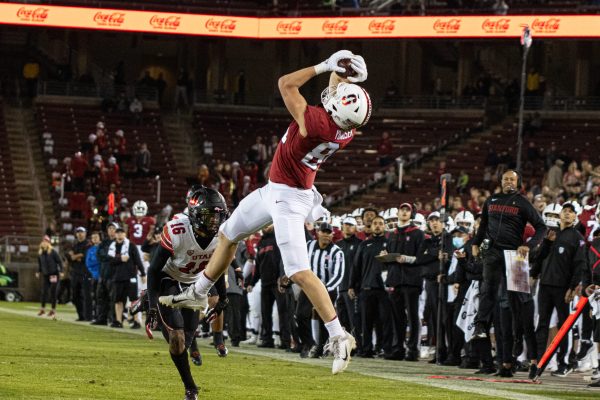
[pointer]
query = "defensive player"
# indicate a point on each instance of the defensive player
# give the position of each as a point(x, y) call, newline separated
point(290, 199)
point(187, 244)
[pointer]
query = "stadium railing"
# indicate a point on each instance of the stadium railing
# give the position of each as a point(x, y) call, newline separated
point(562, 103)
point(82, 89)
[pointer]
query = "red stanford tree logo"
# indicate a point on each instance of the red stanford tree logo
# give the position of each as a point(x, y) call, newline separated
point(550, 25)
point(289, 28)
point(382, 27)
point(447, 26)
point(335, 28)
point(38, 14)
point(501, 25)
point(109, 19)
point(222, 26)
point(171, 22)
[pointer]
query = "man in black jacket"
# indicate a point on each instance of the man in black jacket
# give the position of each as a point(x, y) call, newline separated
point(561, 261)
point(104, 304)
point(345, 305)
point(126, 262)
point(404, 281)
point(503, 220)
point(428, 257)
point(267, 262)
point(81, 280)
point(366, 283)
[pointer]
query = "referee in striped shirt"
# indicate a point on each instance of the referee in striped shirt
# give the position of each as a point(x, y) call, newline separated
point(327, 262)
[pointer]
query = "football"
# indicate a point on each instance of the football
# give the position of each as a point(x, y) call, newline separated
point(347, 64)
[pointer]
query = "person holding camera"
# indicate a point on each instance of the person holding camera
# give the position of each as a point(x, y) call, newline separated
point(503, 220)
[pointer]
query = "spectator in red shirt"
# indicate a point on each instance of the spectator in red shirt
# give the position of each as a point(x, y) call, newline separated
point(385, 148)
point(79, 165)
point(102, 140)
point(119, 145)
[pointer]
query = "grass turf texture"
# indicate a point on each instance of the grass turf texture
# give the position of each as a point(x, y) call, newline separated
point(45, 359)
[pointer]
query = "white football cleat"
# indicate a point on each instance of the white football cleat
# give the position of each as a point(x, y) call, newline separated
point(340, 346)
point(186, 299)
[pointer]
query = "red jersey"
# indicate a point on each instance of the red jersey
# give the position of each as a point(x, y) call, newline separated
point(138, 230)
point(297, 159)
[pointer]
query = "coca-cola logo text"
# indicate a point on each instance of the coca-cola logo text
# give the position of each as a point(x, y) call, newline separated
point(550, 25)
point(447, 26)
point(109, 19)
point(289, 28)
point(171, 22)
point(38, 14)
point(335, 27)
point(496, 26)
point(382, 27)
point(223, 26)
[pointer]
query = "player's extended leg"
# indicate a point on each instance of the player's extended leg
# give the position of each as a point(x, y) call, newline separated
point(251, 215)
point(288, 221)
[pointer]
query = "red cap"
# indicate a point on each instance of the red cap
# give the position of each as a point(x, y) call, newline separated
point(406, 205)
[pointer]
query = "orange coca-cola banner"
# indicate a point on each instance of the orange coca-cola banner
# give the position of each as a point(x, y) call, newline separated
point(542, 26)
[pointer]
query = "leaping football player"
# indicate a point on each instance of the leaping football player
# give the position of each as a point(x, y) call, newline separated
point(187, 244)
point(289, 199)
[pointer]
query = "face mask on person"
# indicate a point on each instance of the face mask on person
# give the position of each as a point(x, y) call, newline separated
point(458, 242)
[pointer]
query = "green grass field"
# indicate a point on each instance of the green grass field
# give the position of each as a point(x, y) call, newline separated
point(46, 359)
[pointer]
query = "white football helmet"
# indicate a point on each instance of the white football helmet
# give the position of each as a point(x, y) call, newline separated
point(419, 221)
point(450, 225)
point(336, 222)
point(551, 215)
point(349, 105)
point(578, 208)
point(390, 216)
point(139, 209)
point(466, 219)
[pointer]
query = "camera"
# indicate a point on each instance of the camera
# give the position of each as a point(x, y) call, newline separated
point(486, 244)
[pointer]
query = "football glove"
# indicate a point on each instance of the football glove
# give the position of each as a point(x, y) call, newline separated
point(360, 67)
point(151, 322)
point(331, 64)
point(214, 312)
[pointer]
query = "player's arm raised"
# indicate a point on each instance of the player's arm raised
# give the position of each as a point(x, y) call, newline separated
point(289, 85)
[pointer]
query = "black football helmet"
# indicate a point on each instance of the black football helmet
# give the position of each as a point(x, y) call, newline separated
point(207, 209)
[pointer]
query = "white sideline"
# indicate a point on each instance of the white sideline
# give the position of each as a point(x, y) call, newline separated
point(473, 387)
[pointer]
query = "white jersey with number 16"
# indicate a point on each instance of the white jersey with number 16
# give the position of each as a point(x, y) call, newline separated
point(188, 259)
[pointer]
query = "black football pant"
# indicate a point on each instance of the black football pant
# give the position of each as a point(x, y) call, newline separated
point(549, 298)
point(374, 306)
point(405, 307)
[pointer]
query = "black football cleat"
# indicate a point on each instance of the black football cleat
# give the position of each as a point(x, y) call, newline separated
point(222, 350)
point(196, 358)
point(533, 369)
point(191, 394)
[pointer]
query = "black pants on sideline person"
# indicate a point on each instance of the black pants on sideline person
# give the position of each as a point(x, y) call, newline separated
point(105, 308)
point(269, 295)
point(82, 296)
point(233, 316)
point(345, 310)
point(523, 314)
point(49, 290)
point(549, 298)
point(375, 307)
point(431, 303)
point(303, 317)
point(405, 306)
point(493, 273)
